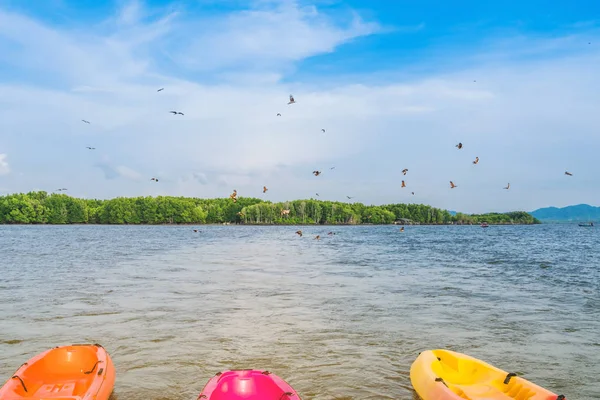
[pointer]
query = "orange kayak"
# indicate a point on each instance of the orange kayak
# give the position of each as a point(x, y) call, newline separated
point(448, 375)
point(79, 371)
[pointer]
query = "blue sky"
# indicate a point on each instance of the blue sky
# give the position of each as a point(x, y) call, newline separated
point(396, 84)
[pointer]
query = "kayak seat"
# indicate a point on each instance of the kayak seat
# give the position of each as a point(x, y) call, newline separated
point(516, 390)
point(480, 391)
point(512, 391)
point(459, 392)
point(61, 390)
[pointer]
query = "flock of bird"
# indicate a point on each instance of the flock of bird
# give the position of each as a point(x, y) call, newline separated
point(291, 101)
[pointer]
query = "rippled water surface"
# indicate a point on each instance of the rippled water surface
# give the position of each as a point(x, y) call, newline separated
point(339, 318)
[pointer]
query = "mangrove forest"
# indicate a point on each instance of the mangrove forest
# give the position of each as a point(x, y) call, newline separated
point(43, 208)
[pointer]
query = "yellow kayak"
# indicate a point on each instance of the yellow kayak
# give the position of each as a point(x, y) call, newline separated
point(448, 375)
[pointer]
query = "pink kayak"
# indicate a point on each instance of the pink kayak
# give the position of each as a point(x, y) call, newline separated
point(247, 384)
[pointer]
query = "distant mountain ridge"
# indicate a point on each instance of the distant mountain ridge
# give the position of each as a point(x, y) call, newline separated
point(576, 213)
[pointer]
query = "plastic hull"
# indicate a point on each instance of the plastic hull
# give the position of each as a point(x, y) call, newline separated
point(247, 385)
point(448, 375)
point(75, 372)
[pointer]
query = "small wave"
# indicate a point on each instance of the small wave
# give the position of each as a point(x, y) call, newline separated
point(141, 366)
point(162, 339)
point(96, 314)
point(11, 341)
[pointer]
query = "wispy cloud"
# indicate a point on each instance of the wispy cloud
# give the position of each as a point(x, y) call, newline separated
point(200, 177)
point(118, 171)
point(130, 13)
point(138, 41)
point(267, 37)
point(4, 168)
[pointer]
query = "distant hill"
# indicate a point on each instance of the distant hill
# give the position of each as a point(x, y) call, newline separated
point(578, 213)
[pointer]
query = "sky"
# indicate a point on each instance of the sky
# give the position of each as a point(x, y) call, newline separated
point(395, 84)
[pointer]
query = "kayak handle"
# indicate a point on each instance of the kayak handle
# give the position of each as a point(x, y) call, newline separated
point(441, 380)
point(508, 376)
point(93, 368)
point(286, 394)
point(22, 383)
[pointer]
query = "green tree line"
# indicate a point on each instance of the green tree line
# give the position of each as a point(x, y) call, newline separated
point(514, 217)
point(43, 208)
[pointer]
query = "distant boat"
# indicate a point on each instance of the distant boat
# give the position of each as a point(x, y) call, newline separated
point(586, 224)
point(484, 225)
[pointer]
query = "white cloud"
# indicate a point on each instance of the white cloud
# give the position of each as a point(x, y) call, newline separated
point(200, 177)
point(526, 120)
point(115, 171)
point(130, 13)
point(268, 37)
point(4, 168)
point(79, 56)
point(127, 172)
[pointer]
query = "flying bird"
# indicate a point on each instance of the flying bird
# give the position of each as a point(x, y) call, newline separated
point(60, 190)
point(332, 168)
point(90, 148)
point(161, 89)
point(154, 179)
point(322, 130)
point(299, 233)
point(87, 122)
point(403, 184)
point(233, 196)
point(317, 194)
point(292, 101)
point(331, 233)
point(316, 173)
point(349, 198)
point(413, 193)
point(176, 112)
point(476, 160)
point(265, 189)
point(318, 237)
point(459, 146)
point(507, 186)
point(568, 173)
point(241, 214)
point(404, 171)
point(279, 115)
point(452, 185)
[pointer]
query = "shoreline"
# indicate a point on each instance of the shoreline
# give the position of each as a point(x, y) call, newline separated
point(237, 224)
